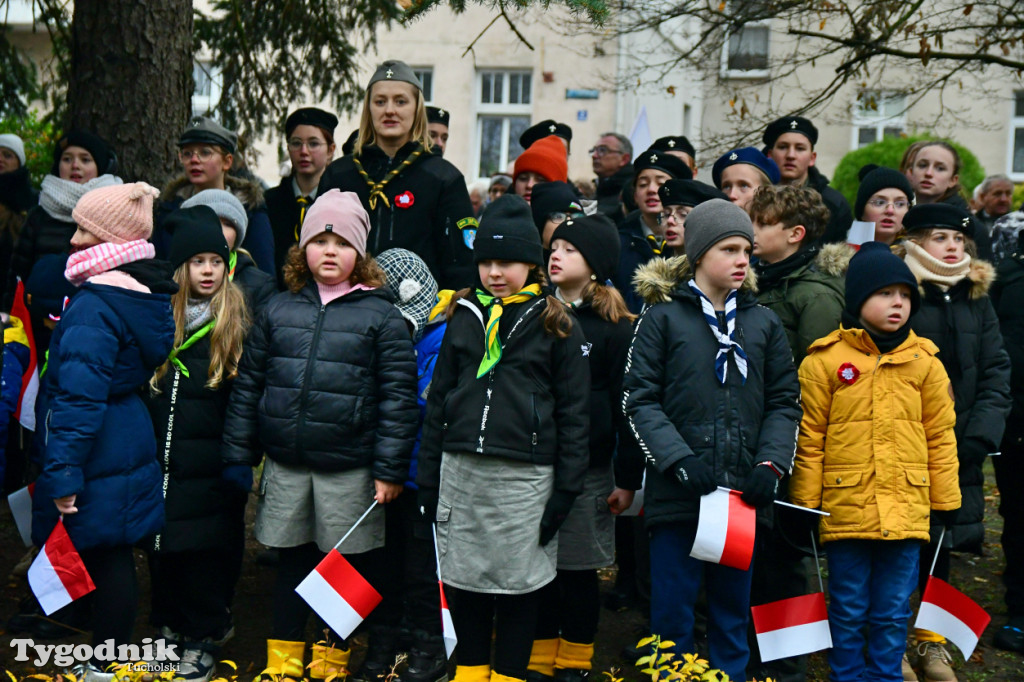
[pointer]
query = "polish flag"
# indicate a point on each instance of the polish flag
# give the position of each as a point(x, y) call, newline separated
point(58, 576)
point(21, 509)
point(338, 594)
point(447, 626)
point(951, 613)
point(792, 627)
point(725, 530)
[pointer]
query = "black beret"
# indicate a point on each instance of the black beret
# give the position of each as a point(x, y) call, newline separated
point(940, 216)
point(311, 116)
point(749, 156)
point(202, 129)
point(541, 130)
point(673, 165)
point(438, 115)
point(350, 143)
point(687, 193)
point(395, 70)
point(789, 124)
point(677, 143)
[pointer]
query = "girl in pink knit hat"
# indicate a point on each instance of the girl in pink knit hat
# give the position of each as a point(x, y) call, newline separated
point(327, 389)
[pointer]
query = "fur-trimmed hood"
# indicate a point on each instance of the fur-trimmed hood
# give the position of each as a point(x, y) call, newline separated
point(248, 192)
point(834, 259)
point(981, 273)
point(659, 278)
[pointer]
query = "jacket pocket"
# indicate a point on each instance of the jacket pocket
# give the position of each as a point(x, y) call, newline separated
point(918, 498)
point(843, 496)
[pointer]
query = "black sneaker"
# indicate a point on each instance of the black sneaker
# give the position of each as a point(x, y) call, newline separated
point(1010, 637)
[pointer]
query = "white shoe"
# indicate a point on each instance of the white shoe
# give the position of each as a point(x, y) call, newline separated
point(196, 665)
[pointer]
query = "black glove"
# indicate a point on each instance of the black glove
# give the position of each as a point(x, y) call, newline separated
point(972, 452)
point(696, 475)
point(760, 486)
point(238, 476)
point(555, 511)
point(426, 500)
point(945, 518)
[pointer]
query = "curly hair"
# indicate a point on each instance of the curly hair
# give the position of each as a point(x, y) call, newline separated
point(791, 206)
point(297, 273)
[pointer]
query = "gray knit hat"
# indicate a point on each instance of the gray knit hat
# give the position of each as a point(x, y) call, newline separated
point(14, 143)
point(226, 205)
point(713, 221)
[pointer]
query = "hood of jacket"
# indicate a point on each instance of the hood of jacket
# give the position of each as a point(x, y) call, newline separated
point(981, 274)
point(248, 192)
point(659, 279)
point(816, 179)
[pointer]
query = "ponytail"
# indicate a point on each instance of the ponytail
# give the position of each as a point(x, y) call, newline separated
point(607, 302)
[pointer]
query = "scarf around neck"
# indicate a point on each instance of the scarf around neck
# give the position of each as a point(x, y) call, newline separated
point(103, 257)
point(58, 197)
point(726, 341)
point(928, 268)
point(197, 313)
point(495, 306)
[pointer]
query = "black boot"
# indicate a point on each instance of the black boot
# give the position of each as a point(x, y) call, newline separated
point(380, 654)
point(428, 661)
point(571, 675)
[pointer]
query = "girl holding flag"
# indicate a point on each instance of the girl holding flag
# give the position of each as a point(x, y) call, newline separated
point(504, 451)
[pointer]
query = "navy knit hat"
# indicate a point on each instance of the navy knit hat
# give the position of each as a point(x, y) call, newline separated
point(749, 156)
point(941, 216)
point(597, 239)
point(507, 232)
point(195, 230)
point(875, 267)
point(874, 178)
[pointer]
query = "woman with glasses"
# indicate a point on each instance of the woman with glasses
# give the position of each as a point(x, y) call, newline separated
point(883, 198)
point(309, 135)
point(206, 150)
point(416, 200)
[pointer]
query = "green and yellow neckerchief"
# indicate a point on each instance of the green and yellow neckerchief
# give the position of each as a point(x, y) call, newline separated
point(377, 188)
point(495, 306)
point(200, 333)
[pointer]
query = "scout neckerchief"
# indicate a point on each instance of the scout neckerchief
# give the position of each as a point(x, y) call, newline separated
point(657, 244)
point(727, 340)
point(377, 188)
point(200, 333)
point(303, 202)
point(494, 306)
point(232, 262)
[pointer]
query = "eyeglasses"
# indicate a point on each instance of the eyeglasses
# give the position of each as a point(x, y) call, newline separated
point(203, 154)
point(899, 204)
point(561, 216)
point(311, 145)
point(601, 150)
point(679, 214)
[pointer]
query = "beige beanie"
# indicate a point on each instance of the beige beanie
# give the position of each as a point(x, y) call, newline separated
point(118, 214)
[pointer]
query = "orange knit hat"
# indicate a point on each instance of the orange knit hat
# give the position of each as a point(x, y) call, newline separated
point(117, 214)
point(547, 158)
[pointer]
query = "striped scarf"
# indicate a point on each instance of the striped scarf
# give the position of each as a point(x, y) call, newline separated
point(103, 257)
point(725, 341)
point(492, 346)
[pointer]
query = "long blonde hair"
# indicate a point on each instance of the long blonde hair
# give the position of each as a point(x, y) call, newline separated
point(418, 132)
point(226, 338)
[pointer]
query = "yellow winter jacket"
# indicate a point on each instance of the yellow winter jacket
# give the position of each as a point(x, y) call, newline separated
point(876, 447)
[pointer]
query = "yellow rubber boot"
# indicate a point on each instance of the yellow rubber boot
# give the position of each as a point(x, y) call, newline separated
point(328, 662)
point(472, 673)
point(284, 658)
point(542, 656)
point(573, 655)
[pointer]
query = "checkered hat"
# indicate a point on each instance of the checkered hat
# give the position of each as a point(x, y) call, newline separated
point(410, 281)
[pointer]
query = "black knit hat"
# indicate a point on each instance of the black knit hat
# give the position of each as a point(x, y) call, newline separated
point(46, 287)
point(941, 216)
point(658, 160)
point(875, 267)
point(541, 130)
point(204, 130)
point(677, 143)
point(102, 154)
point(552, 197)
point(687, 193)
point(874, 178)
point(789, 124)
point(507, 232)
point(195, 230)
point(395, 70)
point(310, 116)
point(438, 115)
point(597, 238)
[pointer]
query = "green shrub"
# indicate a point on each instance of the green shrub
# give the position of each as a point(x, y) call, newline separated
point(39, 138)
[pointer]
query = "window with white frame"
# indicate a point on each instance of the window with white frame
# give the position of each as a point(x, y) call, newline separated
point(206, 93)
point(878, 114)
point(1017, 137)
point(746, 49)
point(504, 105)
point(426, 76)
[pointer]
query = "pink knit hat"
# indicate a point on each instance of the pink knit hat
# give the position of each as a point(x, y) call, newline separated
point(341, 213)
point(117, 214)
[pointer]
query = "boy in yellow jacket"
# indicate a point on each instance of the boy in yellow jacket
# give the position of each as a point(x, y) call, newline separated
point(878, 453)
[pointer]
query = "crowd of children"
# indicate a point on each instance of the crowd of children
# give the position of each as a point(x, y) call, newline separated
point(483, 397)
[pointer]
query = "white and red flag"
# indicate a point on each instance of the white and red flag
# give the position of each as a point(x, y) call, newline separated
point(21, 509)
point(447, 626)
point(792, 627)
point(58, 576)
point(339, 594)
point(725, 530)
point(951, 613)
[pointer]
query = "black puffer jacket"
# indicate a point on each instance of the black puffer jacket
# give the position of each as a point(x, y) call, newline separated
point(427, 212)
point(331, 387)
point(201, 510)
point(635, 249)
point(533, 406)
point(1008, 300)
point(840, 216)
point(258, 286)
point(963, 324)
point(677, 406)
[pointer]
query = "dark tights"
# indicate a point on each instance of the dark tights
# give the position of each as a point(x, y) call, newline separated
point(115, 601)
point(569, 607)
point(513, 619)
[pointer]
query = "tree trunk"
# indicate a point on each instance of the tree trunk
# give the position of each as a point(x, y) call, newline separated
point(131, 80)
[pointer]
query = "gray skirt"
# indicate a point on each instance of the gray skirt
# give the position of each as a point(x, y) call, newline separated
point(587, 538)
point(488, 524)
point(298, 505)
